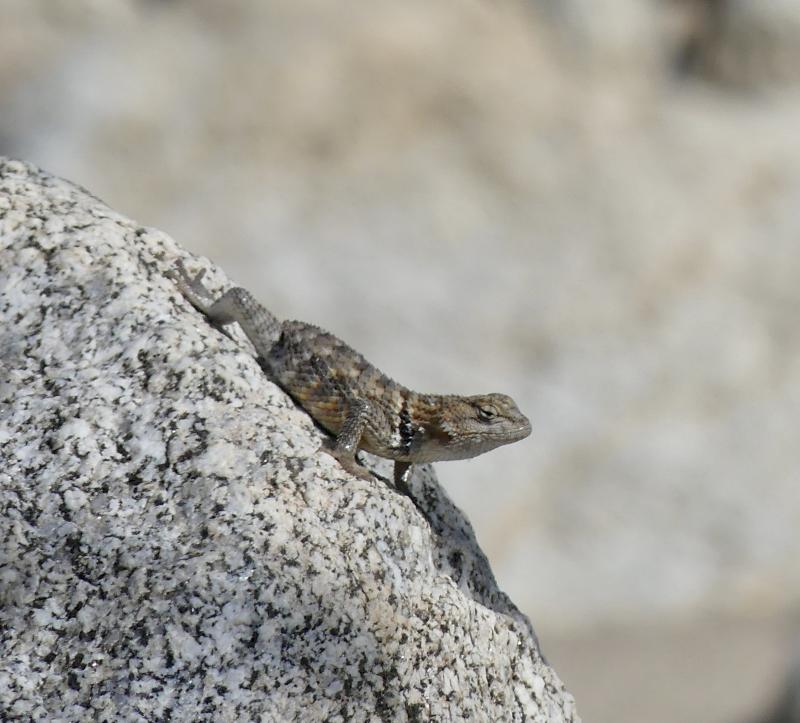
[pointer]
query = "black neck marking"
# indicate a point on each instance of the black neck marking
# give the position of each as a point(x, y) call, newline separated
point(407, 430)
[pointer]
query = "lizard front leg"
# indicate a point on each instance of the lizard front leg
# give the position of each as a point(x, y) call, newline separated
point(401, 472)
point(346, 445)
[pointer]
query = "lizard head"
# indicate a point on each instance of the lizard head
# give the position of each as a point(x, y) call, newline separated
point(469, 426)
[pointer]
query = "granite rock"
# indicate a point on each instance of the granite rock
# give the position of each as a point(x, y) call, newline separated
point(173, 546)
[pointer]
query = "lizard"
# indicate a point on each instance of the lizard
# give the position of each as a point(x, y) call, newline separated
point(361, 407)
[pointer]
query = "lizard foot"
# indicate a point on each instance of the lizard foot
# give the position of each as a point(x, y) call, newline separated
point(349, 463)
point(192, 288)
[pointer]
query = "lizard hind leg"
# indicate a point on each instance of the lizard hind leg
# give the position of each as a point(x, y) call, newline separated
point(192, 287)
point(235, 305)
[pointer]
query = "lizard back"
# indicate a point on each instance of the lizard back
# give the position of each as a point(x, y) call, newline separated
point(324, 374)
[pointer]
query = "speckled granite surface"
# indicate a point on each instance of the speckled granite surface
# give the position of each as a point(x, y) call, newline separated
point(173, 546)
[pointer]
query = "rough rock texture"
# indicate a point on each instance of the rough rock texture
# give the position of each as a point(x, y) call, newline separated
point(172, 544)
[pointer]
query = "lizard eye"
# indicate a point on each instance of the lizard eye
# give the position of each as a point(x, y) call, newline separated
point(486, 414)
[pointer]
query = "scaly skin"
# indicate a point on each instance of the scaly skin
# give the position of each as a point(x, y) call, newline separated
point(353, 400)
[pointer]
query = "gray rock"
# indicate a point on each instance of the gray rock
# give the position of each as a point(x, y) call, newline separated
point(787, 708)
point(172, 544)
point(747, 43)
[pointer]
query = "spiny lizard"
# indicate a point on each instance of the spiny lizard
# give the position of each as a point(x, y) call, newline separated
point(353, 400)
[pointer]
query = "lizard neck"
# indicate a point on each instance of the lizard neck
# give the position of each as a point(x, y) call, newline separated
point(422, 428)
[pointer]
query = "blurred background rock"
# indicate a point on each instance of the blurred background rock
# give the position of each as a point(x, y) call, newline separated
point(594, 207)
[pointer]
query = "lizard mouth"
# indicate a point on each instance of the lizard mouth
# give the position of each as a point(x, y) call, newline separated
point(523, 430)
